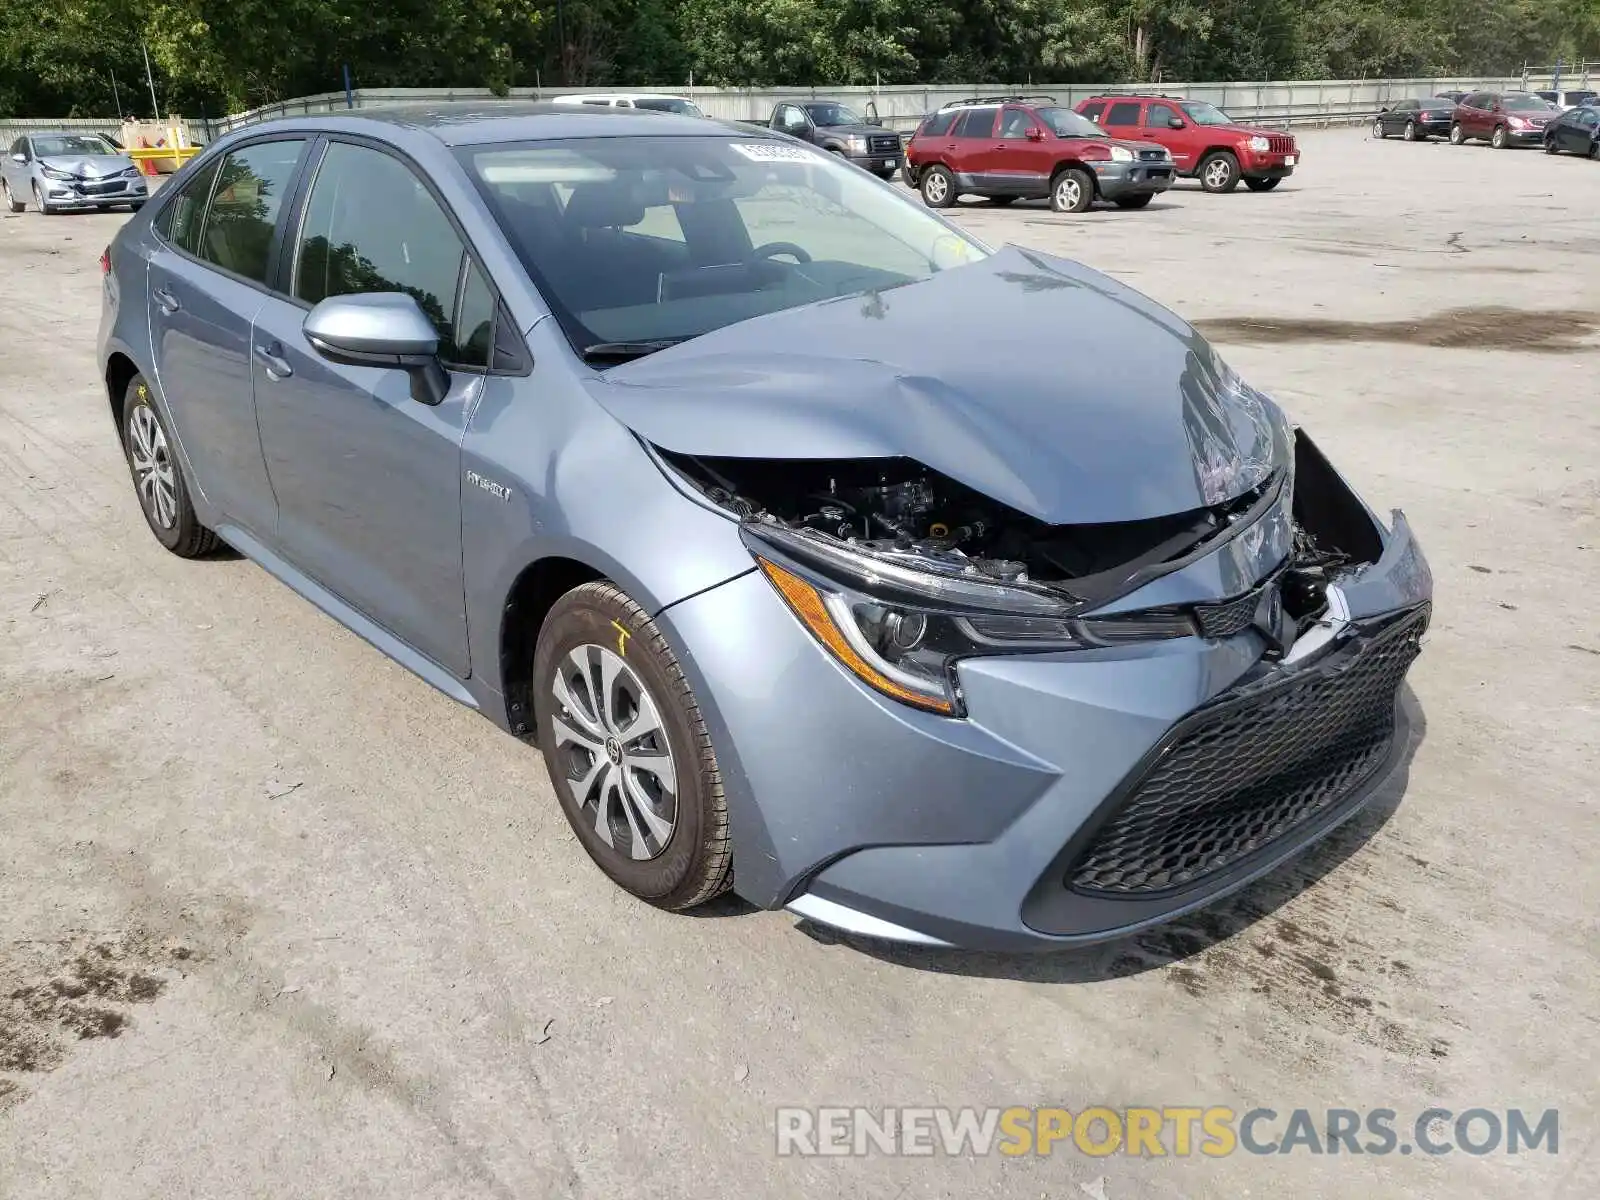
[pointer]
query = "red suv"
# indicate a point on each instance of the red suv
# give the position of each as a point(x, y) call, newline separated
point(1204, 141)
point(1006, 148)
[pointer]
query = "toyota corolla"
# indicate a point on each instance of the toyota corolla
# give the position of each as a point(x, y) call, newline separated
point(933, 592)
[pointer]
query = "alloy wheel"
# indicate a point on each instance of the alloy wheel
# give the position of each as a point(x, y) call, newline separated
point(613, 745)
point(152, 467)
point(1411, 131)
point(936, 187)
point(1216, 173)
point(38, 200)
point(1377, 129)
point(1069, 193)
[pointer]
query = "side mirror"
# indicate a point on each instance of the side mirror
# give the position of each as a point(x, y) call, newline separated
point(381, 329)
point(1034, 134)
point(1177, 123)
point(19, 158)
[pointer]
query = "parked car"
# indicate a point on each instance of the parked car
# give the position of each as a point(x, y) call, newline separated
point(1568, 99)
point(1415, 120)
point(1576, 131)
point(839, 130)
point(1453, 96)
point(649, 440)
point(1502, 119)
point(1203, 140)
point(649, 101)
point(1014, 150)
point(61, 171)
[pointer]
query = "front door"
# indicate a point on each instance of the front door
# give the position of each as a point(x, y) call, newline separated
point(212, 258)
point(369, 479)
point(1158, 129)
point(15, 173)
point(1019, 164)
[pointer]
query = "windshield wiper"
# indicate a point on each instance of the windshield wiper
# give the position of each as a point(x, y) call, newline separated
point(621, 352)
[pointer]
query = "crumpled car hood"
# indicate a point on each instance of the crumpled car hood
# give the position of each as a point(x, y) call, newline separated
point(88, 165)
point(1037, 381)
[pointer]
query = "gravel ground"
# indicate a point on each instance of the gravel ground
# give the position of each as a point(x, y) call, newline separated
point(276, 919)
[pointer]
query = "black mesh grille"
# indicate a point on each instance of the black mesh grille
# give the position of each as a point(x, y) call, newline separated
point(885, 143)
point(1152, 155)
point(1248, 769)
point(1229, 617)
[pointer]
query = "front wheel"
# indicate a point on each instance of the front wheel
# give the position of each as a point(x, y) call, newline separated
point(1134, 201)
point(158, 479)
point(1594, 148)
point(40, 204)
point(628, 751)
point(938, 187)
point(1550, 146)
point(1378, 131)
point(1071, 191)
point(1498, 138)
point(1219, 172)
point(1261, 185)
point(1458, 136)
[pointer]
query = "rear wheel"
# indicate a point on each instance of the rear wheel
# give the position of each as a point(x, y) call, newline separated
point(1261, 185)
point(12, 203)
point(1458, 136)
point(1071, 191)
point(1134, 201)
point(1594, 148)
point(628, 751)
point(938, 187)
point(1378, 131)
point(1219, 172)
point(1498, 138)
point(1550, 146)
point(158, 479)
point(1410, 132)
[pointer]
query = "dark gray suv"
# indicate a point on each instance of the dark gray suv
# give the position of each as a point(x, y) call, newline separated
point(935, 593)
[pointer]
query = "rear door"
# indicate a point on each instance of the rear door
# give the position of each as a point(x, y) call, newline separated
point(972, 154)
point(1122, 118)
point(215, 245)
point(369, 479)
point(1578, 129)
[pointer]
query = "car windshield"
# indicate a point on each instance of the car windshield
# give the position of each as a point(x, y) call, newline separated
point(639, 242)
point(71, 144)
point(1526, 103)
point(1065, 123)
point(833, 114)
point(1439, 105)
point(1202, 113)
point(670, 104)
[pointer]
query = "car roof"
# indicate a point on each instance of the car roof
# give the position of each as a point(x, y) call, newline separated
point(464, 123)
point(583, 97)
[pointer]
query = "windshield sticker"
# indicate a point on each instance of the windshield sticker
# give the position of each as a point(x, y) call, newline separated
point(772, 152)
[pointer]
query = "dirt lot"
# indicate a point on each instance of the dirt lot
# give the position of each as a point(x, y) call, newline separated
point(276, 919)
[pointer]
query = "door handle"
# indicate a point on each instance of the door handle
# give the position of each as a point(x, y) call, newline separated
point(273, 362)
point(167, 302)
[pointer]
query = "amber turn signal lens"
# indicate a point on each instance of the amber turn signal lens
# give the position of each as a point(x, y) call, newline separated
point(808, 605)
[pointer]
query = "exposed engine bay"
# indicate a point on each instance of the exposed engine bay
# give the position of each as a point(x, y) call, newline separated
point(900, 510)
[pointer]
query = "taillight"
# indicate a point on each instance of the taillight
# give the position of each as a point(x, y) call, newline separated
point(105, 261)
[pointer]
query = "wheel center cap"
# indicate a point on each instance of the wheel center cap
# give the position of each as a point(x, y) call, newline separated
point(614, 751)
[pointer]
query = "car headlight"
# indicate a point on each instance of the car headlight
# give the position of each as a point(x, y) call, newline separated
point(1260, 145)
point(130, 172)
point(858, 145)
point(52, 173)
point(1519, 123)
point(901, 628)
point(1121, 154)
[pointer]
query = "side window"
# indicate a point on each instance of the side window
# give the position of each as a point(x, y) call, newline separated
point(1589, 118)
point(1123, 112)
point(940, 122)
point(1093, 111)
point(791, 118)
point(371, 226)
point(1015, 123)
point(1161, 116)
point(474, 323)
point(976, 123)
point(180, 220)
point(244, 207)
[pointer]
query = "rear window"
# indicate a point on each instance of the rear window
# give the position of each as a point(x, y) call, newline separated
point(1123, 112)
point(939, 123)
point(976, 122)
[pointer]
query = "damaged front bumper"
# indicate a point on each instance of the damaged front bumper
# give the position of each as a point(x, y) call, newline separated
point(1077, 800)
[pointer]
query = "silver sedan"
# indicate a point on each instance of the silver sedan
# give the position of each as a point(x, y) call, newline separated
point(59, 171)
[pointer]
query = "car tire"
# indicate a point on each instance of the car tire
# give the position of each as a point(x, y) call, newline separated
point(158, 481)
point(1071, 191)
point(938, 187)
point(1261, 185)
point(1497, 139)
point(1134, 201)
point(12, 203)
point(1458, 136)
point(648, 807)
point(1550, 146)
point(1594, 148)
point(1378, 131)
point(1410, 132)
point(40, 204)
point(1219, 172)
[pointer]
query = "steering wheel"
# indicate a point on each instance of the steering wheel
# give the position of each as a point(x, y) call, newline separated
point(773, 249)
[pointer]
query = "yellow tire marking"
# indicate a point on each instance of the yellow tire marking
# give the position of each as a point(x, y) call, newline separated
point(622, 639)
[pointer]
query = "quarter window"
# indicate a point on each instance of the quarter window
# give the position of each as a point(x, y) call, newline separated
point(371, 226)
point(244, 207)
point(1123, 112)
point(181, 219)
point(939, 123)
